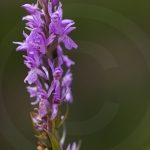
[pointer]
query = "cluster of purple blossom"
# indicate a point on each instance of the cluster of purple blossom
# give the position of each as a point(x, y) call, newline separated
point(45, 59)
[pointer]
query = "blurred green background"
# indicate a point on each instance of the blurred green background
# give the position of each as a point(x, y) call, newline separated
point(111, 77)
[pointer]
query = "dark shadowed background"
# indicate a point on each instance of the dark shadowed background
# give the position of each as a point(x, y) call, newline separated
point(111, 77)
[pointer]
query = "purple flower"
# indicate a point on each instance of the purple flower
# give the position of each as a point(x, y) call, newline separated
point(58, 26)
point(30, 62)
point(33, 75)
point(49, 94)
point(36, 41)
point(57, 73)
point(34, 19)
point(44, 105)
point(56, 18)
point(33, 93)
point(54, 111)
point(42, 94)
point(68, 42)
point(66, 82)
point(30, 8)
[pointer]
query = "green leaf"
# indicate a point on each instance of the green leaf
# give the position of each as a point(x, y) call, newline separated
point(54, 142)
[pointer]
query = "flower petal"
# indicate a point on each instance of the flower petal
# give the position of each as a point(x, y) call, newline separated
point(32, 91)
point(25, 35)
point(69, 43)
point(51, 65)
point(54, 111)
point(41, 73)
point(30, 8)
point(53, 84)
point(36, 102)
point(46, 72)
point(68, 62)
point(32, 77)
point(50, 39)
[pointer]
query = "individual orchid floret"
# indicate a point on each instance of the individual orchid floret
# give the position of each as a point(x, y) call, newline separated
point(63, 28)
point(44, 106)
point(68, 42)
point(42, 94)
point(30, 62)
point(57, 73)
point(36, 41)
point(33, 93)
point(56, 100)
point(35, 20)
point(66, 82)
point(33, 75)
point(55, 25)
point(30, 8)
